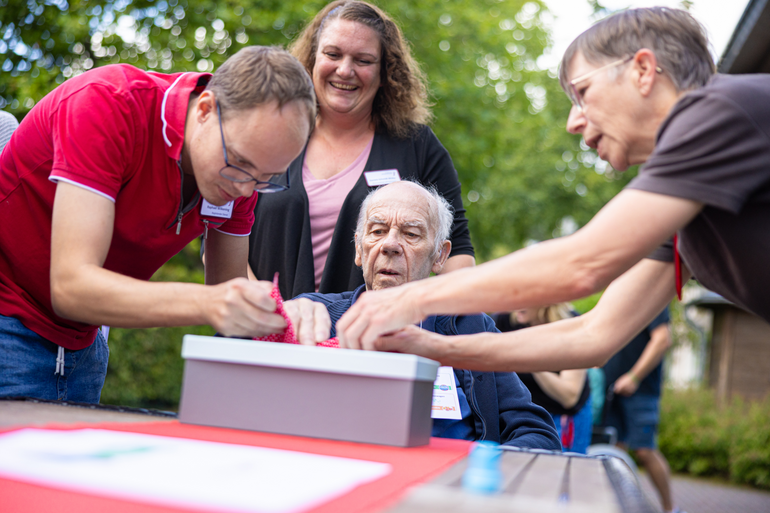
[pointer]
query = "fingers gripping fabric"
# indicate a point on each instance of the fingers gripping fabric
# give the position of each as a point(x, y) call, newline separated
point(289, 336)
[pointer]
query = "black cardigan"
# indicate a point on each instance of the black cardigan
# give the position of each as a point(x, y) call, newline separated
point(280, 238)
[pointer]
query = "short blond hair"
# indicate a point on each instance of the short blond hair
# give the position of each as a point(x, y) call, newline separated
point(262, 74)
point(553, 313)
point(402, 100)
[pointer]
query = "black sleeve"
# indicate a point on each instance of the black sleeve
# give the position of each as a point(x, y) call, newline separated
point(438, 169)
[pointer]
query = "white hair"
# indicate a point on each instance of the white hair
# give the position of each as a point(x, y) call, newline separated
point(442, 215)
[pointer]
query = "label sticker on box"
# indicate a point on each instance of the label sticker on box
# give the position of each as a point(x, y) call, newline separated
point(446, 405)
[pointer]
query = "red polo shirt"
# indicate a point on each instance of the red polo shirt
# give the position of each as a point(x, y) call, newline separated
point(118, 132)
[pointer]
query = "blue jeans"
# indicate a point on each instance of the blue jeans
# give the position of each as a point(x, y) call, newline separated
point(28, 366)
point(636, 418)
point(581, 425)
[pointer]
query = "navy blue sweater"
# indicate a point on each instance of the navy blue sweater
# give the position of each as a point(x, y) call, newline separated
point(502, 407)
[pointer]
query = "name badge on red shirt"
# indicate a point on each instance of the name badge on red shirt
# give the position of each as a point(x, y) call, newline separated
point(225, 211)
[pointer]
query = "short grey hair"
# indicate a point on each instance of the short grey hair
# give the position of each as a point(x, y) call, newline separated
point(441, 210)
point(679, 42)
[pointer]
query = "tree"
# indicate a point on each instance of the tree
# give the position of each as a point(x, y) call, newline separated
point(502, 119)
point(500, 116)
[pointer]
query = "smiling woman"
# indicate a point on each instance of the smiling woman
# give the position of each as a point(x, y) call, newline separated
point(372, 106)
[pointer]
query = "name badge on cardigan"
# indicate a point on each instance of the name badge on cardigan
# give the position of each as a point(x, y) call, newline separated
point(382, 177)
point(225, 211)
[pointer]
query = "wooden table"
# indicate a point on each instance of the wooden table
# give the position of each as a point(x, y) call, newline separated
point(541, 482)
point(29, 413)
point(534, 481)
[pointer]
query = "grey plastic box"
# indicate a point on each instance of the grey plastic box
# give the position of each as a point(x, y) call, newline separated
point(341, 394)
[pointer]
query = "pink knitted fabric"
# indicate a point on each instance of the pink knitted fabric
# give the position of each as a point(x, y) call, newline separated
point(289, 336)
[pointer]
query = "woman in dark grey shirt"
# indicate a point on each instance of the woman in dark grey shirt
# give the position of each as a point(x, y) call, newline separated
point(644, 92)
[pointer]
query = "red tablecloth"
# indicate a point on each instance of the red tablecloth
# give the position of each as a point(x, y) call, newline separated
point(410, 466)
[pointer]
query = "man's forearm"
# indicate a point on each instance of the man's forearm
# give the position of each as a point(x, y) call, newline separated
point(627, 306)
point(549, 347)
point(562, 269)
point(498, 285)
point(99, 296)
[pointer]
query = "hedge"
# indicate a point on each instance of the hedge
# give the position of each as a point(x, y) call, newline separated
point(702, 438)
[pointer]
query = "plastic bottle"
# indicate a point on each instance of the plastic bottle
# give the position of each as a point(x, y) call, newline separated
point(483, 474)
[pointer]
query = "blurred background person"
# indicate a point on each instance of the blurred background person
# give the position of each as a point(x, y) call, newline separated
point(566, 395)
point(372, 110)
point(635, 375)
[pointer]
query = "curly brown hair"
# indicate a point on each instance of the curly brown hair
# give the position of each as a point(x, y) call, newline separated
point(402, 100)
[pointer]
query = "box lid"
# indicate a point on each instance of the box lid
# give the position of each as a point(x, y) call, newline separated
point(318, 359)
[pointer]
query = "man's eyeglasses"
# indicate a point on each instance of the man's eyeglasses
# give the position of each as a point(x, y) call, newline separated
point(238, 175)
point(576, 97)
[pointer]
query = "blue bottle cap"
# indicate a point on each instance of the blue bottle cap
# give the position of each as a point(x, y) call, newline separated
point(483, 475)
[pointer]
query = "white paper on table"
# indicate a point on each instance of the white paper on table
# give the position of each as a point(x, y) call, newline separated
point(445, 405)
point(180, 472)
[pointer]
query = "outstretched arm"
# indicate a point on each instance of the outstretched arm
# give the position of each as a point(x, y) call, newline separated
point(628, 305)
point(82, 290)
point(627, 229)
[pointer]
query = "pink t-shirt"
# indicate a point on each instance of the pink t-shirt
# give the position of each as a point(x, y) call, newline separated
point(325, 198)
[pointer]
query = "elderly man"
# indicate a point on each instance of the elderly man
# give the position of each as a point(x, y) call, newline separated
point(401, 237)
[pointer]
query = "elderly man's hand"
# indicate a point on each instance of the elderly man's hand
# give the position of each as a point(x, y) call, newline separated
point(310, 319)
point(376, 313)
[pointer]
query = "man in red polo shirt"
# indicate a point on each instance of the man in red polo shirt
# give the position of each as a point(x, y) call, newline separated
point(112, 174)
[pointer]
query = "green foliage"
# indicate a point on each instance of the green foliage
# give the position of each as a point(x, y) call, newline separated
point(750, 448)
point(45, 42)
point(699, 437)
point(501, 117)
point(146, 366)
